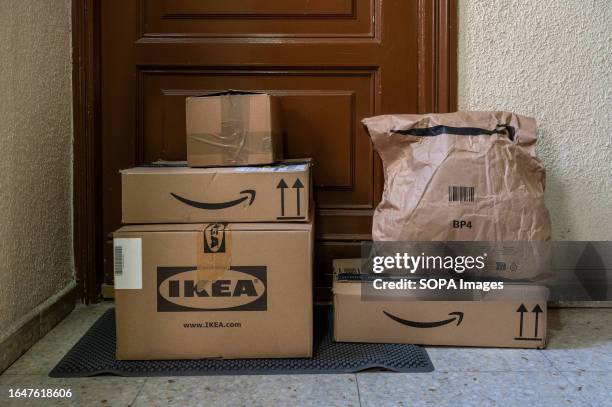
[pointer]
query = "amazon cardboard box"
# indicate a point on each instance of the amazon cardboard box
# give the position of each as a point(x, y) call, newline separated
point(233, 128)
point(191, 291)
point(179, 194)
point(512, 318)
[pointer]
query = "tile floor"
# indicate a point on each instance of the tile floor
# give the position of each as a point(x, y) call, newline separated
point(575, 370)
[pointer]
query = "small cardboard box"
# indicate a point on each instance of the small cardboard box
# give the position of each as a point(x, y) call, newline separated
point(514, 318)
point(233, 128)
point(213, 290)
point(170, 194)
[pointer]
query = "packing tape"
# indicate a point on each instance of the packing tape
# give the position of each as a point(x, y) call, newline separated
point(214, 254)
point(260, 141)
point(235, 112)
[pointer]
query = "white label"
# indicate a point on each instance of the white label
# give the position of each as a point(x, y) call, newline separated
point(128, 263)
point(276, 168)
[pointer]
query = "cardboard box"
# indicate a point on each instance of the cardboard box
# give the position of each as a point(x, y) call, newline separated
point(513, 318)
point(238, 194)
point(213, 290)
point(233, 128)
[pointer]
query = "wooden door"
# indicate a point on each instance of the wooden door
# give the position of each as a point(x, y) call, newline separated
point(333, 62)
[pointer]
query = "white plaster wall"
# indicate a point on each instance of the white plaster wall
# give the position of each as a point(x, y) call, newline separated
point(35, 156)
point(550, 60)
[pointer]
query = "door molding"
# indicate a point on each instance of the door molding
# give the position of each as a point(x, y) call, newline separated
point(437, 65)
point(86, 170)
point(437, 86)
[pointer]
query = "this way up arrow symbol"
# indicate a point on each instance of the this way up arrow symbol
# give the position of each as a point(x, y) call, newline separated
point(522, 310)
point(537, 310)
point(282, 185)
point(297, 185)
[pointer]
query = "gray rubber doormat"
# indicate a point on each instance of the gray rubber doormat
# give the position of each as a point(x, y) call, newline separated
point(94, 354)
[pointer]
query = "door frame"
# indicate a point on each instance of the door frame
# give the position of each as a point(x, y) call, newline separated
point(86, 166)
point(437, 87)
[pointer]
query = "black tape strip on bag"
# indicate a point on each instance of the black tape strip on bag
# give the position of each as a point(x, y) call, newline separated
point(229, 92)
point(459, 131)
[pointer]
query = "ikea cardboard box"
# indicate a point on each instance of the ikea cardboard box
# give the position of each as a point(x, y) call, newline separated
point(512, 318)
point(191, 291)
point(233, 128)
point(171, 194)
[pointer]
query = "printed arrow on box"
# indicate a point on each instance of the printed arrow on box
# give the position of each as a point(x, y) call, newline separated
point(297, 185)
point(522, 309)
point(537, 310)
point(282, 185)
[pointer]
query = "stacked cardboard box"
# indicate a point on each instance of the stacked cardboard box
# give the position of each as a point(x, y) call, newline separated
point(233, 128)
point(217, 262)
point(514, 317)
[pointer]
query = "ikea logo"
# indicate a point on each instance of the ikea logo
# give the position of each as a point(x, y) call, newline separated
point(241, 288)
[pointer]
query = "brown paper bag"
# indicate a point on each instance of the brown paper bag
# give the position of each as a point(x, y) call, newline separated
point(464, 176)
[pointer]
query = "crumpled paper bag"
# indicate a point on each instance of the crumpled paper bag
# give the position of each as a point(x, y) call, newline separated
point(464, 176)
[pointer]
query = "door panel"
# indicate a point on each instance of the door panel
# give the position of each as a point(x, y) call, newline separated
point(332, 62)
point(321, 112)
point(250, 18)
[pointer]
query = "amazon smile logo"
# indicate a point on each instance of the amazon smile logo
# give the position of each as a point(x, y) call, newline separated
point(457, 316)
point(248, 195)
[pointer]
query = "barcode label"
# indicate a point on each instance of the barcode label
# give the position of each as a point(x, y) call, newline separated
point(127, 263)
point(118, 260)
point(460, 194)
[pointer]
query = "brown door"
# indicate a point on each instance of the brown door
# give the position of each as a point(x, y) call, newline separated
point(333, 62)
